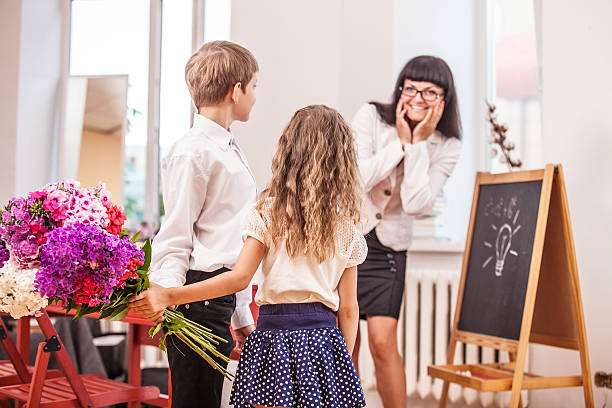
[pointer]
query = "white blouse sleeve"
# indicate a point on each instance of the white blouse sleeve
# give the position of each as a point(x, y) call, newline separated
point(424, 178)
point(254, 226)
point(359, 249)
point(374, 166)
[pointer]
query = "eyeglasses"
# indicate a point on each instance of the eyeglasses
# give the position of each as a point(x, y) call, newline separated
point(426, 94)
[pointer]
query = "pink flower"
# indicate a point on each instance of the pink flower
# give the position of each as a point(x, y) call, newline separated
point(38, 194)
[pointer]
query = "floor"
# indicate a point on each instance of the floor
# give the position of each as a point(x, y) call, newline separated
point(372, 398)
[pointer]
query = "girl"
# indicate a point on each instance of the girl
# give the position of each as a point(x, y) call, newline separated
point(304, 229)
point(407, 150)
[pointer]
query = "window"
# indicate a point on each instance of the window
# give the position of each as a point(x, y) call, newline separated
point(512, 84)
point(119, 37)
point(112, 37)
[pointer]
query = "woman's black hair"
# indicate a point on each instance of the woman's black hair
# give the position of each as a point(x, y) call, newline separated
point(426, 68)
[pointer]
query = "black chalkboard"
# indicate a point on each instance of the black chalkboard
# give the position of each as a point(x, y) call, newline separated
point(500, 258)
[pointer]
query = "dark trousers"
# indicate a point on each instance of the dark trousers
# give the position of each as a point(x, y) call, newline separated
point(194, 382)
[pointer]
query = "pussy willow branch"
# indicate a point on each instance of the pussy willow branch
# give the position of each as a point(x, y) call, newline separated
point(498, 138)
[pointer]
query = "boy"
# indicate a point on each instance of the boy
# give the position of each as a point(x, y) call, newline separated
point(207, 186)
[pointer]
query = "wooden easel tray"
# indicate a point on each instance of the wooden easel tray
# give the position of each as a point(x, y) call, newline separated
point(497, 377)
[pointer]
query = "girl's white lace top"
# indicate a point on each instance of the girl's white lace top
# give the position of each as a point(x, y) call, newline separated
point(303, 279)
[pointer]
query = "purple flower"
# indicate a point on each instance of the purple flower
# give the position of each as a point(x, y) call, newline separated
point(85, 261)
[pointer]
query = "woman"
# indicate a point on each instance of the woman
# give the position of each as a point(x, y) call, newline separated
point(406, 149)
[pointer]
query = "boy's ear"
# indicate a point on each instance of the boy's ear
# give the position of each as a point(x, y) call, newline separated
point(236, 91)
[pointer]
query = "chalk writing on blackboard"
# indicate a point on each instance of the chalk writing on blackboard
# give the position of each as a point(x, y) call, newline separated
point(503, 243)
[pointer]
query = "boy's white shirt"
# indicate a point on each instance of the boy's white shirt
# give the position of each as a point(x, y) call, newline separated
point(207, 188)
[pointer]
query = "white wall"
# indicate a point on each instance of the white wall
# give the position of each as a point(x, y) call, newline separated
point(309, 52)
point(10, 29)
point(346, 53)
point(577, 84)
point(39, 73)
point(30, 32)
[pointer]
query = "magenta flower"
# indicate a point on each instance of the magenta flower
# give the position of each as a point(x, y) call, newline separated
point(4, 253)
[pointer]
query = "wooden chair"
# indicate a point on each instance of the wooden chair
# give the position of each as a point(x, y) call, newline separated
point(15, 370)
point(72, 390)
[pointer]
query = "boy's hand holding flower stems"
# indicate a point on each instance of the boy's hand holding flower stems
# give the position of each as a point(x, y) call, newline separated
point(152, 303)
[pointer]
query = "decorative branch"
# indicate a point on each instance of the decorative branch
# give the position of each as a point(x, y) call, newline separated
point(499, 142)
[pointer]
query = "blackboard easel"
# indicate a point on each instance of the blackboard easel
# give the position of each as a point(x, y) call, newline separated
point(519, 284)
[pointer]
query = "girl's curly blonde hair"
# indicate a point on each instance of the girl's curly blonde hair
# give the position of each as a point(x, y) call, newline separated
point(315, 183)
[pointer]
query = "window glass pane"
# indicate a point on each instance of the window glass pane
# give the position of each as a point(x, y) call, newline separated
point(514, 85)
point(112, 37)
point(175, 102)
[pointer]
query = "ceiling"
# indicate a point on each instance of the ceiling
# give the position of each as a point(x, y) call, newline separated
point(106, 104)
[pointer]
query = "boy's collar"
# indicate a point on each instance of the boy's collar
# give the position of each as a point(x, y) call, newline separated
point(213, 130)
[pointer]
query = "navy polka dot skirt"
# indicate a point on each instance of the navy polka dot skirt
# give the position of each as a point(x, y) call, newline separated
point(296, 358)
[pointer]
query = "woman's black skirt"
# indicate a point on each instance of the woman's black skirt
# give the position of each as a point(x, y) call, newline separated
point(380, 280)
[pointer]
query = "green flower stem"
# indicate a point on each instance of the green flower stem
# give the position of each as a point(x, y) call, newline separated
point(207, 345)
point(205, 356)
point(206, 331)
point(197, 337)
point(180, 317)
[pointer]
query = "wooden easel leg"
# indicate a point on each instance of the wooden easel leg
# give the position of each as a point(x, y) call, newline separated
point(450, 359)
point(444, 396)
point(585, 364)
point(575, 287)
point(512, 357)
point(519, 369)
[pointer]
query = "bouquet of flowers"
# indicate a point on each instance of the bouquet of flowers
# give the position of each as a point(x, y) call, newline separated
point(67, 243)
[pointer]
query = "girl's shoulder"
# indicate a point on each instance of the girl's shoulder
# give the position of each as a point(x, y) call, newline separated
point(255, 222)
point(350, 240)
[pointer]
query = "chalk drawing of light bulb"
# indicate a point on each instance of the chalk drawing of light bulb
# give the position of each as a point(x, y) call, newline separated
point(502, 246)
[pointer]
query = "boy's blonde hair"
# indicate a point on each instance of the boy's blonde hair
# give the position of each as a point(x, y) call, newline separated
point(315, 183)
point(215, 68)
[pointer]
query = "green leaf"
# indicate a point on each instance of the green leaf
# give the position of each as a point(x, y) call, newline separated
point(147, 252)
point(154, 330)
point(134, 239)
point(119, 313)
point(83, 310)
point(173, 324)
point(162, 342)
point(106, 313)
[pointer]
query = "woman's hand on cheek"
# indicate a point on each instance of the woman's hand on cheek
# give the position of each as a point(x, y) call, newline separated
point(427, 126)
point(401, 124)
